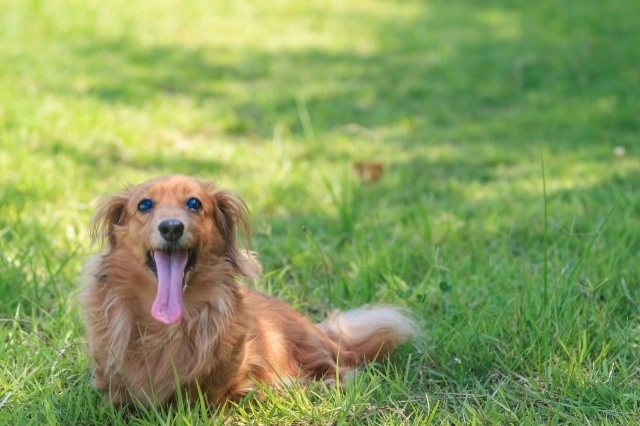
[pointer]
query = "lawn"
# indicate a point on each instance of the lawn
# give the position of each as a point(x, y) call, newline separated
point(506, 216)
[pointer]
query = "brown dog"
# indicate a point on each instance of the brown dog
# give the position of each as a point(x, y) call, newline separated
point(162, 304)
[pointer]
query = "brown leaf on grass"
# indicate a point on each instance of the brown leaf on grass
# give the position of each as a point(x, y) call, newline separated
point(369, 171)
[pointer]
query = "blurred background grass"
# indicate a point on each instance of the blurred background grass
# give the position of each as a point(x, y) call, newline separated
point(459, 101)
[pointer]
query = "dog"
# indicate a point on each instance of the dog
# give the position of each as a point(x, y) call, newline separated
point(164, 311)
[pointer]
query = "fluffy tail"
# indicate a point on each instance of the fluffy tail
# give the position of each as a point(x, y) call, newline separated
point(368, 333)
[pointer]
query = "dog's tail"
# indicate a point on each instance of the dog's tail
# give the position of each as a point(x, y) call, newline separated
point(368, 333)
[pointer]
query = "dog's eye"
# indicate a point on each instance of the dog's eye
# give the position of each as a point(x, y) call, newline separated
point(145, 205)
point(194, 204)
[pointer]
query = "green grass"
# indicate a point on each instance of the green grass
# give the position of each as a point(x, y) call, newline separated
point(529, 304)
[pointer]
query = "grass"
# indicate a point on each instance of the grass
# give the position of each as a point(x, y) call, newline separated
point(526, 286)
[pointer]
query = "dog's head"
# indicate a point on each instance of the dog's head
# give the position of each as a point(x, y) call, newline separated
point(169, 224)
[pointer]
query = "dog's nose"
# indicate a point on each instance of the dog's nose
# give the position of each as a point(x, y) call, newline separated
point(171, 229)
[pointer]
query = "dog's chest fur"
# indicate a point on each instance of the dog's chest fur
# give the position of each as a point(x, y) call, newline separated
point(208, 346)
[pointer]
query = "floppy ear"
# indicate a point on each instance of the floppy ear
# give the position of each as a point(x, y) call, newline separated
point(108, 215)
point(232, 218)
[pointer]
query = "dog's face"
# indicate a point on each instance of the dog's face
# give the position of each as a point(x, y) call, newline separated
point(169, 224)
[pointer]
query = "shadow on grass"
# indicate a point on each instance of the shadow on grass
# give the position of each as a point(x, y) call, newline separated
point(514, 76)
point(105, 156)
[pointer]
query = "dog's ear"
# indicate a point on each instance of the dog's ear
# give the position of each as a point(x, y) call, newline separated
point(232, 218)
point(108, 215)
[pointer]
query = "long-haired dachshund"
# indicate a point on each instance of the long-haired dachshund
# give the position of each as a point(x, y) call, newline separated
point(162, 304)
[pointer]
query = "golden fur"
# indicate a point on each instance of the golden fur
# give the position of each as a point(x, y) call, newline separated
point(229, 336)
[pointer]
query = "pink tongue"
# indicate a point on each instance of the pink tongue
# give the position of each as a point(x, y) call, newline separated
point(168, 308)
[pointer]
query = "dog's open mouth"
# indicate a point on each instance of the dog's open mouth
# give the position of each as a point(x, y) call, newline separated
point(170, 268)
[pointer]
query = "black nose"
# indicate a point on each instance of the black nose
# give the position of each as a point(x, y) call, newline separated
point(171, 229)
